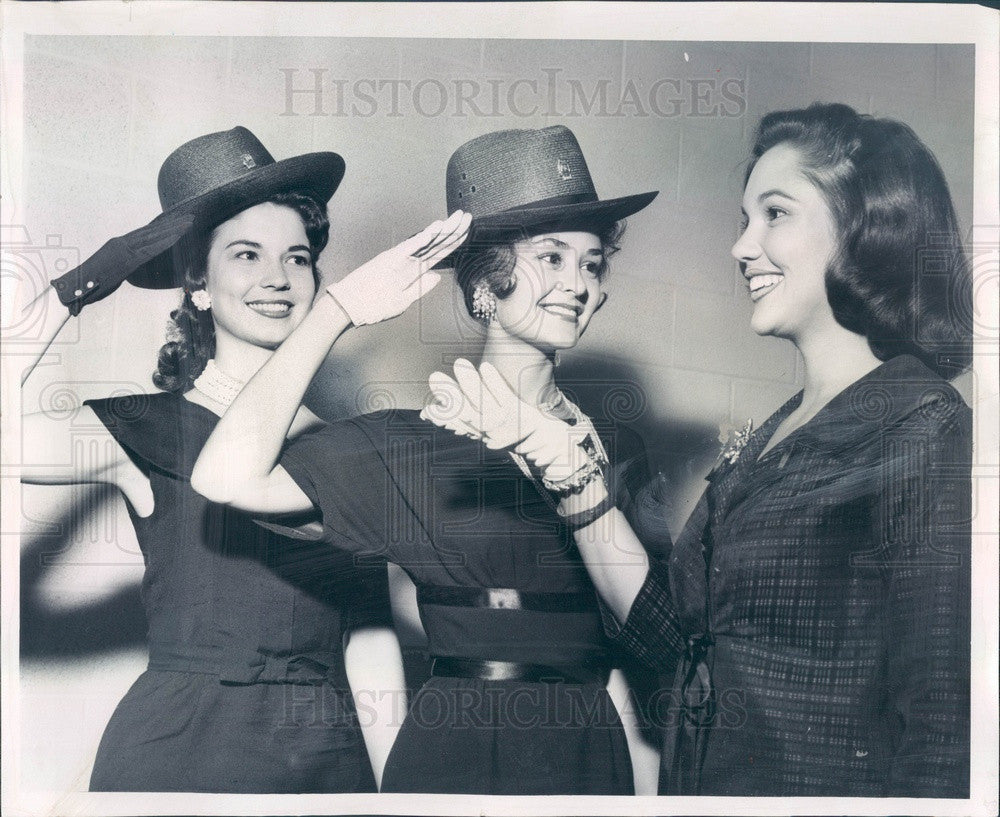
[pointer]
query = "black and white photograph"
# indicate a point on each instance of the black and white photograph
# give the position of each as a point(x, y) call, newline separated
point(500, 408)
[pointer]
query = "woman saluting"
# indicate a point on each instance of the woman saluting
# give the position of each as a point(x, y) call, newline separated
point(246, 628)
point(518, 700)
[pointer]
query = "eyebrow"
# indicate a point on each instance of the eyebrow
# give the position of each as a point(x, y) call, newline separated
point(564, 245)
point(775, 192)
point(255, 245)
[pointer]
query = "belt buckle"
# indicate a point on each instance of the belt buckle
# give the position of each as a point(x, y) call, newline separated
point(503, 598)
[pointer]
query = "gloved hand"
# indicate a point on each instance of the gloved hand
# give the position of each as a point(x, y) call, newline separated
point(106, 269)
point(480, 404)
point(385, 286)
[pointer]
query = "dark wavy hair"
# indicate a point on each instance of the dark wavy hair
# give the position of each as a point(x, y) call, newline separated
point(900, 276)
point(190, 331)
point(493, 261)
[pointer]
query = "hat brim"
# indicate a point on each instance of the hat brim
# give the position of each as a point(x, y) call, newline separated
point(523, 222)
point(315, 174)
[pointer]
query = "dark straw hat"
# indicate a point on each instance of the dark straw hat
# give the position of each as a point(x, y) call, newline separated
point(220, 174)
point(516, 181)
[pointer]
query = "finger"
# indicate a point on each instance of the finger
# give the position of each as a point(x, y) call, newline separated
point(469, 381)
point(466, 429)
point(448, 242)
point(496, 385)
point(424, 284)
point(501, 442)
point(447, 403)
point(442, 232)
point(540, 458)
point(415, 242)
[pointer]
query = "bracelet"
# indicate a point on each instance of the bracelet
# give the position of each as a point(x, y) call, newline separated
point(595, 466)
point(581, 519)
point(576, 481)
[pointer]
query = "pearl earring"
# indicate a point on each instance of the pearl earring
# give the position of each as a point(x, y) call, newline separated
point(201, 300)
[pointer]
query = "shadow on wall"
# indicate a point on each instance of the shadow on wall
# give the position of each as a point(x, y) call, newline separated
point(676, 449)
point(116, 622)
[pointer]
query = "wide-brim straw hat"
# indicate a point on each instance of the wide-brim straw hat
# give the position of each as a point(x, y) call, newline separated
point(220, 174)
point(515, 183)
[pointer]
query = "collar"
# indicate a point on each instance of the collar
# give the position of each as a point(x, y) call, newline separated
point(880, 400)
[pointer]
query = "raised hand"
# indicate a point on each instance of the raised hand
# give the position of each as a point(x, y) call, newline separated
point(481, 405)
point(385, 286)
point(117, 259)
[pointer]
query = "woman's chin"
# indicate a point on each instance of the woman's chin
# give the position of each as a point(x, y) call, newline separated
point(760, 324)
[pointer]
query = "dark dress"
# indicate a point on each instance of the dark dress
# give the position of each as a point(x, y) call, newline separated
point(821, 600)
point(246, 689)
point(460, 519)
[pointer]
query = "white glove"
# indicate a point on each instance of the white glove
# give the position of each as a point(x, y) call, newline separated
point(480, 404)
point(385, 286)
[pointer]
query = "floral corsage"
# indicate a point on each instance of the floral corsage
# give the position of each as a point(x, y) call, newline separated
point(733, 441)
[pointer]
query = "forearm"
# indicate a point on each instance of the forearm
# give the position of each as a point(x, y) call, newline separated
point(615, 558)
point(246, 443)
point(374, 666)
point(635, 589)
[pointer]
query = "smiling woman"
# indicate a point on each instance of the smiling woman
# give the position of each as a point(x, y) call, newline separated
point(238, 615)
point(816, 605)
point(788, 240)
point(525, 693)
point(240, 292)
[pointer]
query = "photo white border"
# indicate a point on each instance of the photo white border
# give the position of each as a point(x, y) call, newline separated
point(805, 22)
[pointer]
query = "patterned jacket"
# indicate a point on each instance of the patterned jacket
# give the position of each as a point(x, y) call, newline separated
point(820, 600)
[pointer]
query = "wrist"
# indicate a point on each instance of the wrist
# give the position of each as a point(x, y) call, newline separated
point(328, 309)
point(592, 495)
point(333, 307)
point(585, 518)
point(584, 464)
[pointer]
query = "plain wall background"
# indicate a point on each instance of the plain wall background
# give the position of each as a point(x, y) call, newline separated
point(672, 345)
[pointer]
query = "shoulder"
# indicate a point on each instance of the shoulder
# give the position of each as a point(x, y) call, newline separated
point(932, 410)
point(136, 409)
point(900, 400)
point(162, 429)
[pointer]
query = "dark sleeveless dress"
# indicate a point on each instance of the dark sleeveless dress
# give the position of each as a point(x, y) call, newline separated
point(246, 689)
point(498, 580)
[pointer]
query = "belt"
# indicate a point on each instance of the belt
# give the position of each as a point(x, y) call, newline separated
point(505, 598)
point(515, 671)
point(246, 666)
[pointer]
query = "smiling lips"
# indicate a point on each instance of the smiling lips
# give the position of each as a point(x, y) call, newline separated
point(566, 312)
point(271, 309)
point(761, 283)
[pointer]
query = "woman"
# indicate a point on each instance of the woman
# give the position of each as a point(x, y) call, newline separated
point(517, 702)
point(819, 595)
point(255, 640)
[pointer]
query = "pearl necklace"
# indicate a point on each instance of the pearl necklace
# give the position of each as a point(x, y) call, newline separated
point(217, 385)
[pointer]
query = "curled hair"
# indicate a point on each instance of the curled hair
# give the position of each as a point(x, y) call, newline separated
point(493, 261)
point(899, 275)
point(190, 331)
